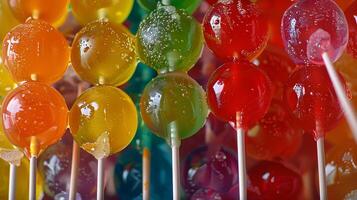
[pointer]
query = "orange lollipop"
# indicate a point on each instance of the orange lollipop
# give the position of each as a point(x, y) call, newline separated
point(34, 116)
point(35, 51)
point(54, 12)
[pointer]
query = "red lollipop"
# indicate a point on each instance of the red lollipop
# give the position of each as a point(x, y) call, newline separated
point(235, 29)
point(351, 16)
point(239, 88)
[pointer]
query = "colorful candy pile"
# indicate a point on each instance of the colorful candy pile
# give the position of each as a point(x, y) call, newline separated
point(177, 99)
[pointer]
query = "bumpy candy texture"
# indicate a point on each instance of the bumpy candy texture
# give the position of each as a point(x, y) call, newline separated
point(104, 53)
point(54, 166)
point(209, 173)
point(115, 11)
point(53, 12)
point(239, 91)
point(7, 19)
point(235, 29)
point(103, 121)
point(311, 28)
point(173, 105)
point(274, 181)
point(169, 39)
point(35, 51)
point(188, 5)
point(34, 116)
point(341, 171)
point(311, 99)
point(274, 136)
point(351, 15)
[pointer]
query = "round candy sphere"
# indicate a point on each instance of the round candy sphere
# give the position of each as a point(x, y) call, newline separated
point(188, 5)
point(173, 105)
point(35, 51)
point(115, 11)
point(275, 181)
point(7, 20)
point(34, 116)
point(351, 13)
point(239, 89)
point(169, 40)
point(307, 35)
point(104, 53)
point(311, 99)
point(235, 29)
point(103, 120)
point(53, 12)
point(6, 82)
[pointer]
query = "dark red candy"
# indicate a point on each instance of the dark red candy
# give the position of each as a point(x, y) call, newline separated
point(351, 16)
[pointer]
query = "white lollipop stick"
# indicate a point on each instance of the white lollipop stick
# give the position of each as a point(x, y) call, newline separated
point(241, 160)
point(321, 167)
point(146, 174)
point(341, 95)
point(175, 145)
point(33, 168)
point(12, 182)
point(75, 162)
point(100, 179)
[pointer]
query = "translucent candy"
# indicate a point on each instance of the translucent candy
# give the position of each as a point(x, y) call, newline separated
point(239, 90)
point(104, 53)
point(188, 5)
point(53, 12)
point(341, 171)
point(351, 16)
point(35, 51)
point(34, 116)
point(169, 40)
point(7, 20)
point(310, 28)
point(173, 106)
point(103, 121)
point(235, 29)
point(311, 99)
point(275, 181)
point(115, 11)
point(54, 166)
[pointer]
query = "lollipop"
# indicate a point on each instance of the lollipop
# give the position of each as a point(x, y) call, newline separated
point(114, 11)
point(7, 20)
point(352, 25)
point(341, 171)
point(103, 121)
point(104, 53)
point(169, 40)
point(34, 116)
point(35, 51)
point(275, 181)
point(188, 5)
point(53, 12)
point(312, 101)
point(6, 82)
point(173, 106)
point(235, 29)
point(252, 86)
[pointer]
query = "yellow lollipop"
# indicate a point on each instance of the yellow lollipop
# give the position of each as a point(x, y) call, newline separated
point(104, 53)
point(6, 83)
point(103, 121)
point(115, 11)
point(7, 19)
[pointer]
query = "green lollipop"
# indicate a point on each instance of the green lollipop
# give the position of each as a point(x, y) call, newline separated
point(188, 5)
point(169, 39)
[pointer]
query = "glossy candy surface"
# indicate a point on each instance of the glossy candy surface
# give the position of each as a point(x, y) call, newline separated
point(351, 14)
point(115, 11)
point(169, 39)
point(341, 170)
point(188, 5)
point(239, 89)
point(306, 34)
point(7, 19)
point(275, 181)
point(104, 53)
point(103, 121)
point(34, 116)
point(53, 12)
point(235, 29)
point(311, 99)
point(35, 51)
point(174, 105)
